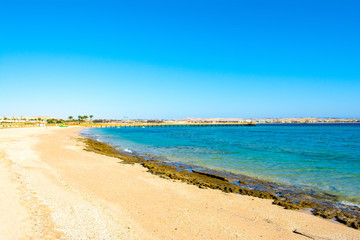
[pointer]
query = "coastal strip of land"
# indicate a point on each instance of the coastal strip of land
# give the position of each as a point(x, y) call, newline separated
point(52, 188)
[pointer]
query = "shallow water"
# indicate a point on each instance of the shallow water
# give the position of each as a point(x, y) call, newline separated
point(317, 156)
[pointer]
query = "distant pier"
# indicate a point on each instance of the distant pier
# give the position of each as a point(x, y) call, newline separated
point(117, 125)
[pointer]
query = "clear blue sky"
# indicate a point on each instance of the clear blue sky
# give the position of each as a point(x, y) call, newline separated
point(176, 59)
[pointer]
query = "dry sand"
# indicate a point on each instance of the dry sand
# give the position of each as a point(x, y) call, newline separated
point(52, 189)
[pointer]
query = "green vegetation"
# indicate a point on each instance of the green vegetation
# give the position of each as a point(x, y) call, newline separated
point(55, 121)
point(41, 121)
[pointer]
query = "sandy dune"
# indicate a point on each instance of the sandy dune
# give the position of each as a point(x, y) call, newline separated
point(52, 189)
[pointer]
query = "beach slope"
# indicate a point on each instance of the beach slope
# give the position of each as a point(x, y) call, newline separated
point(52, 189)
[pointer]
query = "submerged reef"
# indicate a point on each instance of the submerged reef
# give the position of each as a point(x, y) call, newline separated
point(321, 204)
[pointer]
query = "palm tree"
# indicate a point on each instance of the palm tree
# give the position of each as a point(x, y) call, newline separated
point(91, 117)
point(85, 117)
point(51, 121)
point(70, 118)
point(80, 118)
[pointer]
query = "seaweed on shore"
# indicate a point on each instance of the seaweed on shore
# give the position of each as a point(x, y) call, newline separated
point(285, 198)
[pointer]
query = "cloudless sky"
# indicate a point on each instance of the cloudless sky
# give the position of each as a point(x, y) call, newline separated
point(176, 59)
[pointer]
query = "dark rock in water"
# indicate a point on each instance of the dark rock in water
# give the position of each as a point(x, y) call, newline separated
point(356, 224)
point(348, 219)
point(243, 182)
point(294, 204)
point(286, 204)
point(327, 212)
point(212, 175)
point(342, 215)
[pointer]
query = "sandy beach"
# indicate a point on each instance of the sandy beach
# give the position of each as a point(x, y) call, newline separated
point(52, 189)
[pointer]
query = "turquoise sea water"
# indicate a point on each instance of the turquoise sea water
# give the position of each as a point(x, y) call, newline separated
point(315, 156)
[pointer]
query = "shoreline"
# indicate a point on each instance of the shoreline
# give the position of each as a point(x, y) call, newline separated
point(320, 203)
point(77, 194)
point(318, 160)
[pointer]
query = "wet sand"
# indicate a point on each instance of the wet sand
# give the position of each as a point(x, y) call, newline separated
point(52, 189)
